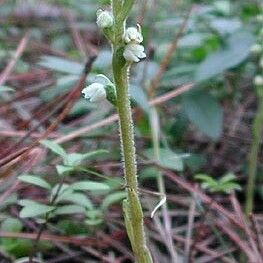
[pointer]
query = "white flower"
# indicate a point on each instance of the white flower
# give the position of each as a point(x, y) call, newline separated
point(104, 19)
point(133, 34)
point(134, 52)
point(95, 92)
point(258, 80)
point(256, 49)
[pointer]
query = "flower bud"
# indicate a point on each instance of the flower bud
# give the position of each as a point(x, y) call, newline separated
point(256, 49)
point(104, 19)
point(258, 80)
point(95, 92)
point(133, 34)
point(134, 52)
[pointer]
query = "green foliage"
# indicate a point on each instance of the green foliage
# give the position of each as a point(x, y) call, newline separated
point(14, 246)
point(236, 51)
point(168, 159)
point(35, 181)
point(69, 199)
point(226, 184)
point(204, 111)
point(71, 161)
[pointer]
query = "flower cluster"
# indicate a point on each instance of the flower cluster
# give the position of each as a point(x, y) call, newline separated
point(133, 51)
point(103, 88)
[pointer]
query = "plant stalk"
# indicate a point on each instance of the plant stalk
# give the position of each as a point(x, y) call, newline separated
point(253, 158)
point(132, 208)
point(133, 214)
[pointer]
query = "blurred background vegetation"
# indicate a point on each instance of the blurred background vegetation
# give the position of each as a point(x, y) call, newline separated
point(62, 199)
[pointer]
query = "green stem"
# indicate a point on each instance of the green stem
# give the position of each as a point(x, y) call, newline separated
point(253, 158)
point(133, 212)
point(155, 129)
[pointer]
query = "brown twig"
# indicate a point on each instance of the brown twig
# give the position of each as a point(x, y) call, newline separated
point(168, 57)
point(258, 234)
point(70, 100)
point(10, 66)
point(113, 118)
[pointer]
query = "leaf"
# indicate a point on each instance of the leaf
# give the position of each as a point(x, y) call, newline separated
point(35, 181)
point(205, 178)
point(74, 159)
point(94, 217)
point(5, 88)
point(61, 65)
point(54, 147)
point(59, 190)
point(62, 169)
point(77, 198)
point(112, 199)
point(34, 209)
point(11, 225)
point(229, 177)
point(168, 159)
point(205, 112)
point(89, 186)
point(225, 25)
point(237, 51)
point(70, 209)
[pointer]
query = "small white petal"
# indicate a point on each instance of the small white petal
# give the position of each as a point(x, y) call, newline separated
point(133, 34)
point(134, 52)
point(95, 92)
point(104, 19)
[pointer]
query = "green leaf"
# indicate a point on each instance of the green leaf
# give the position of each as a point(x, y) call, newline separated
point(94, 217)
point(35, 181)
point(54, 147)
point(89, 186)
point(168, 159)
point(76, 198)
point(11, 225)
point(62, 169)
point(5, 88)
point(61, 65)
point(63, 190)
point(70, 209)
point(238, 49)
point(34, 209)
point(205, 112)
point(112, 199)
point(74, 159)
point(205, 178)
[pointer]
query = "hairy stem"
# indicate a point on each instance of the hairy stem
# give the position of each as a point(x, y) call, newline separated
point(253, 158)
point(132, 208)
point(133, 211)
